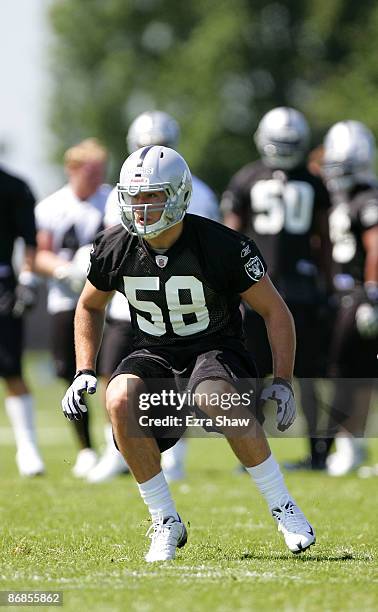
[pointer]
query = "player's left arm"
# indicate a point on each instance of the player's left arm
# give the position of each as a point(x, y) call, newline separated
point(370, 242)
point(267, 302)
point(89, 324)
point(367, 311)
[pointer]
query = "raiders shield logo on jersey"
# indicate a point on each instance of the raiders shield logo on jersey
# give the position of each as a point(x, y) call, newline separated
point(254, 268)
point(161, 260)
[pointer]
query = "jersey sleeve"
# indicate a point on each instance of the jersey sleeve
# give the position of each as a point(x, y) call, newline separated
point(243, 263)
point(99, 273)
point(248, 270)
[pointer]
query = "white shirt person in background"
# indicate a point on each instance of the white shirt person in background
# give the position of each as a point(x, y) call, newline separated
point(67, 222)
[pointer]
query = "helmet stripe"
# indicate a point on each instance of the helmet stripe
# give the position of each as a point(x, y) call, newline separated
point(143, 155)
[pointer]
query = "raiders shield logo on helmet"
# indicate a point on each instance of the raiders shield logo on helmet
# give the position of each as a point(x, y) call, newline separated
point(161, 260)
point(254, 268)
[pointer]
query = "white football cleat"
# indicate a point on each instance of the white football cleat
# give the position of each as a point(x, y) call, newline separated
point(29, 461)
point(294, 526)
point(85, 461)
point(350, 454)
point(111, 464)
point(166, 535)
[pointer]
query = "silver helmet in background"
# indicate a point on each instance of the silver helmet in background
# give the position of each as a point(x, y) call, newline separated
point(282, 138)
point(154, 168)
point(349, 156)
point(153, 128)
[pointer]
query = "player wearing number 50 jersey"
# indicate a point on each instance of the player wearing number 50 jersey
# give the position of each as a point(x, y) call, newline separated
point(283, 207)
point(184, 278)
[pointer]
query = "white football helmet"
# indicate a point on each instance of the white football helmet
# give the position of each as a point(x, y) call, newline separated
point(282, 138)
point(153, 128)
point(154, 168)
point(349, 155)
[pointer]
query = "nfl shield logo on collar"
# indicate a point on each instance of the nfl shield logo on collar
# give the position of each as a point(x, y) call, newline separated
point(254, 268)
point(161, 260)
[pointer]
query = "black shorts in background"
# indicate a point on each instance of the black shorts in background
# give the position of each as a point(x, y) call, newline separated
point(63, 344)
point(11, 340)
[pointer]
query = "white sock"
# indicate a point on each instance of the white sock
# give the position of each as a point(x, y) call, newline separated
point(20, 412)
point(269, 480)
point(157, 497)
point(108, 434)
point(175, 456)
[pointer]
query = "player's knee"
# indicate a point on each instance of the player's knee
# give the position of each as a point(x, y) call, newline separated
point(121, 394)
point(211, 393)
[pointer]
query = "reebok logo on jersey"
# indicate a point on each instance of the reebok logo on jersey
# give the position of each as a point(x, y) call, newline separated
point(246, 251)
point(254, 268)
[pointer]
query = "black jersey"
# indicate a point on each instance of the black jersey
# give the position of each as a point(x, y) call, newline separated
point(279, 211)
point(351, 215)
point(187, 297)
point(17, 218)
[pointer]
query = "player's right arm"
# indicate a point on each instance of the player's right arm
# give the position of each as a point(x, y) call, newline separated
point(47, 263)
point(89, 324)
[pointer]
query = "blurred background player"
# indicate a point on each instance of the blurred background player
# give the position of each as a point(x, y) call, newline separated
point(283, 207)
point(149, 128)
point(67, 222)
point(348, 169)
point(16, 296)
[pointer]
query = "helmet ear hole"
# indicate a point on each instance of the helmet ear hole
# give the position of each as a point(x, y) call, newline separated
point(162, 154)
point(186, 196)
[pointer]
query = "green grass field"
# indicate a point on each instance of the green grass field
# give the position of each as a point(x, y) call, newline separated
point(89, 540)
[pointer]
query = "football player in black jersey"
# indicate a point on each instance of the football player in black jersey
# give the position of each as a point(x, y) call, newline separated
point(283, 207)
point(16, 296)
point(183, 277)
point(349, 152)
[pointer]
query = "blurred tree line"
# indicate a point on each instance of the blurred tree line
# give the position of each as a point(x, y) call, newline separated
point(216, 65)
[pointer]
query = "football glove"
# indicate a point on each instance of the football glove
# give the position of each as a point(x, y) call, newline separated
point(26, 293)
point(281, 392)
point(73, 405)
point(74, 273)
point(367, 320)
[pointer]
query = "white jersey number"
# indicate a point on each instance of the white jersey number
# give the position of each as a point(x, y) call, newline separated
point(157, 327)
point(277, 205)
point(344, 243)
